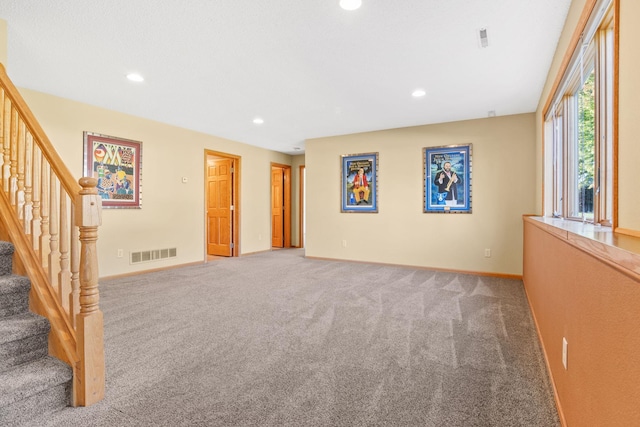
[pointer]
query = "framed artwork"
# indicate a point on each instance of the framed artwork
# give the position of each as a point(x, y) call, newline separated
point(359, 182)
point(117, 165)
point(447, 179)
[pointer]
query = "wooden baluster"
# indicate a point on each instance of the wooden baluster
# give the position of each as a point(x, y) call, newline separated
point(6, 136)
point(54, 225)
point(74, 303)
point(44, 214)
point(36, 222)
point(89, 381)
point(22, 143)
point(64, 276)
point(13, 178)
point(28, 184)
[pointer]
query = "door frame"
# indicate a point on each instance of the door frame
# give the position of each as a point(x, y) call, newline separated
point(235, 199)
point(301, 181)
point(286, 200)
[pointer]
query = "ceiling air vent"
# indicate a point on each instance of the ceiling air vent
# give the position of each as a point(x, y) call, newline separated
point(482, 35)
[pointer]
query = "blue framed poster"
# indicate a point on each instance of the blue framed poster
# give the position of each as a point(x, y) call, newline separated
point(359, 182)
point(447, 179)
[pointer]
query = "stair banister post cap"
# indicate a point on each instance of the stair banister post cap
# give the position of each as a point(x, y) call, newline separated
point(89, 213)
point(88, 184)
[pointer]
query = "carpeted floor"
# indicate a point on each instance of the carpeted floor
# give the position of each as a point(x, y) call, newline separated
point(275, 339)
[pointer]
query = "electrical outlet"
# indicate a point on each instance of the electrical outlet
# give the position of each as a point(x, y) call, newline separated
point(120, 253)
point(344, 243)
point(487, 253)
point(565, 346)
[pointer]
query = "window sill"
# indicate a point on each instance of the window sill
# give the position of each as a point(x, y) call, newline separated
point(620, 251)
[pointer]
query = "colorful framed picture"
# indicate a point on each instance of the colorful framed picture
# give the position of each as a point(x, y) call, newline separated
point(447, 179)
point(117, 165)
point(359, 182)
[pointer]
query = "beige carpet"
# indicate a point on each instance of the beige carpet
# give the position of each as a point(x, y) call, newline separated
point(276, 339)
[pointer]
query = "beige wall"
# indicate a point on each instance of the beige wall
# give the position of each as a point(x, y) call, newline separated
point(503, 190)
point(402, 234)
point(629, 114)
point(3, 41)
point(172, 213)
point(628, 109)
point(296, 162)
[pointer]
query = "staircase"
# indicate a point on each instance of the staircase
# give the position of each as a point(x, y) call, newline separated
point(31, 382)
point(51, 221)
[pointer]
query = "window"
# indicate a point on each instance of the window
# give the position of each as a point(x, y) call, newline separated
point(579, 127)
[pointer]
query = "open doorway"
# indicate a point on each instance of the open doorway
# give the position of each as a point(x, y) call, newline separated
point(221, 202)
point(280, 206)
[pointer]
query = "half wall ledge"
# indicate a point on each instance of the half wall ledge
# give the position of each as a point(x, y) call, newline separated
point(621, 252)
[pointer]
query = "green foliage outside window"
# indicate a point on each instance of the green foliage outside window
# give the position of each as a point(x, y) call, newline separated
point(586, 145)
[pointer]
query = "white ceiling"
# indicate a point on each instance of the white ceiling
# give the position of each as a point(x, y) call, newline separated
point(307, 67)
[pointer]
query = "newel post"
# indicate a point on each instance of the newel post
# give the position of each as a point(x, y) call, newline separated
point(90, 374)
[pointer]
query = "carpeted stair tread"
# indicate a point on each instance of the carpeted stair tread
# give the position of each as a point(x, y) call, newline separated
point(22, 326)
point(32, 378)
point(6, 248)
point(31, 382)
point(6, 255)
point(10, 284)
point(14, 295)
point(36, 410)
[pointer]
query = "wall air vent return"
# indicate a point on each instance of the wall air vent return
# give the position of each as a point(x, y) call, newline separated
point(153, 255)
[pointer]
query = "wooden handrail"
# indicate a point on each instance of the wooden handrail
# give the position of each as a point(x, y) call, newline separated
point(52, 221)
point(70, 185)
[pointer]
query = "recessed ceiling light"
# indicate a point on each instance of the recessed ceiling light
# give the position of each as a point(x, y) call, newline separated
point(135, 77)
point(297, 148)
point(258, 120)
point(418, 93)
point(350, 4)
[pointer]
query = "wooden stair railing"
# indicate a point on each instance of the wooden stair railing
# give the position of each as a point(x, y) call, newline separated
point(52, 221)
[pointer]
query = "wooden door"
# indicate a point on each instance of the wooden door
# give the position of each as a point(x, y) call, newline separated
point(219, 209)
point(277, 206)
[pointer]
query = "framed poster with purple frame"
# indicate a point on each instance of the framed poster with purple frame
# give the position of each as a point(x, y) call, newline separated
point(117, 165)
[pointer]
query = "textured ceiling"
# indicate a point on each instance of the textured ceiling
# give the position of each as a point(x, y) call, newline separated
point(307, 67)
